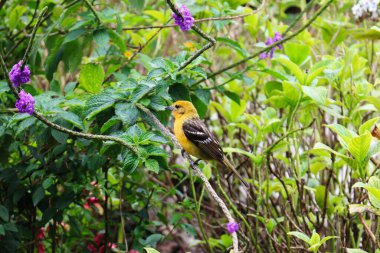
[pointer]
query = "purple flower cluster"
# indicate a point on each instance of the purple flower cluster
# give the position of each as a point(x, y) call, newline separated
point(19, 76)
point(270, 41)
point(25, 103)
point(232, 227)
point(187, 21)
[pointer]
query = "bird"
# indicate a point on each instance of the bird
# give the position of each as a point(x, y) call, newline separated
point(195, 138)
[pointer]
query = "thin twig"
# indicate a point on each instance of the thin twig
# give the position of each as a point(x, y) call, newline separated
point(290, 27)
point(195, 21)
point(319, 12)
point(27, 51)
point(368, 230)
point(98, 20)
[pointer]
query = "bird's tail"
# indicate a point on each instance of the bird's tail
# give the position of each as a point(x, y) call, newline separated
point(232, 168)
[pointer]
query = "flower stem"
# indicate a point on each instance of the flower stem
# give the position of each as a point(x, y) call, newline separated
point(30, 43)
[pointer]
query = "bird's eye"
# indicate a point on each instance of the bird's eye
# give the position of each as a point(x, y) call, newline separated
point(177, 106)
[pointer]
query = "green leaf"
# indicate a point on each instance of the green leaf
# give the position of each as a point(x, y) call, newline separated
point(73, 35)
point(101, 37)
point(138, 5)
point(344, 134)
point(296, 71)
point(367, 126)
point(127, 112)
point(91, 77)
point(4, 214)
point(47, 183)
point(359, 146)
point(151, 250)
point(2, 229)
point(233, 96)
point(296, 52)
point(72, 118)
point(315, 238)
point(179, 91)
point(99, 103)
point(140, 92)
point(201, 99)
point(110, 123)
point(59, 136)
point(38, 195)
point(233, 44)
point(317, 94)
point(374, 191)
point(131, 162)
point(15, 15)
point(301, 236)
point(152, 165)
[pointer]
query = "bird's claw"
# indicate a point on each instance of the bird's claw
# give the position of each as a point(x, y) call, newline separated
point(195, 163)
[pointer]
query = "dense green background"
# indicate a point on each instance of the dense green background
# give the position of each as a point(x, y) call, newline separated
point(297, 126)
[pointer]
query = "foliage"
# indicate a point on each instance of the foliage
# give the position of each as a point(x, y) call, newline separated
point(298, 126)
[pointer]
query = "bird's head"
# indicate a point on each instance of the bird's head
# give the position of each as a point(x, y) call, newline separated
point(180, 108)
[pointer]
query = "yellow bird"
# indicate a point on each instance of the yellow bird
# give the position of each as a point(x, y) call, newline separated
point(194, 136)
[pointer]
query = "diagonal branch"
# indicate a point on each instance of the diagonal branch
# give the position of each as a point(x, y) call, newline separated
point(198, 172)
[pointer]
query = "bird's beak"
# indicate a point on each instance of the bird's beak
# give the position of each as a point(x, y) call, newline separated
point(170, 108)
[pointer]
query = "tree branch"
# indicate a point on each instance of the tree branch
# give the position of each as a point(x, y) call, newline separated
point(197, 171)
point(47, 122)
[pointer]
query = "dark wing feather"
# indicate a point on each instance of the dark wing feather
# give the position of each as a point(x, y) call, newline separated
point(196, 131)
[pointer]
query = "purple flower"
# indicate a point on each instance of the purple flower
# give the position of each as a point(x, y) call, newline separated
point(277, 37)
point(232, 227)
point(25, 103)
point(187, 21)
point(263, 56)
point(19, 76)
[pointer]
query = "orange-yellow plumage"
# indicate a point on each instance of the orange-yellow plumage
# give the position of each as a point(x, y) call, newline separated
point(194, 136)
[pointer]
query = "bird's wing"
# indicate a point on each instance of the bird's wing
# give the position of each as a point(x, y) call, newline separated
point(196, 131)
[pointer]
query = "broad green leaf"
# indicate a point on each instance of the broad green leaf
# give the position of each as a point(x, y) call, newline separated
point(344, 134)
point(152, 165)
point(315, 238)
point(15, 15)
point(127, 112)
point(296, 71)
point(91, 77)
point(317, 94)
point(138, 5)
point(151, 250)
point(179, 92)
point(359, 146)
point(4, 214)
point(73, 35)
point(99, 103)
point(368, 125)
point(233, 44)
point(131, 162)
point(374, 191)
point(291, 93)
point(72, 118)
point(297, 53)
point(38, 195)
point(300, 235)
point(101, 37)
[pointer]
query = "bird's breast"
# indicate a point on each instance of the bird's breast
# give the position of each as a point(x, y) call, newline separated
point(186, 144)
